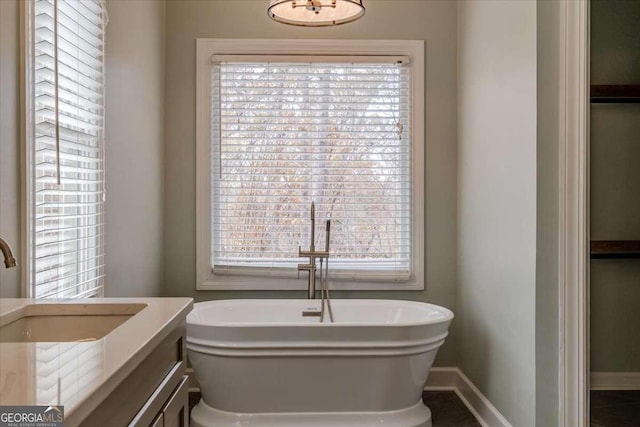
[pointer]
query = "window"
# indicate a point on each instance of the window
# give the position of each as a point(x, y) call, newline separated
point(64, 58)
point(285, 123)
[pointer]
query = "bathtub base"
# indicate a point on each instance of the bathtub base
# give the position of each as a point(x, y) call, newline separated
point(417, 415)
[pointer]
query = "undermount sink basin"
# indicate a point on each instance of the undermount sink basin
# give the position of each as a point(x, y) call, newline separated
point(70, 322)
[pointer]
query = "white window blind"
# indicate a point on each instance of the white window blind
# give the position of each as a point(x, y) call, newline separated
point(287, 133)
point(66, 143)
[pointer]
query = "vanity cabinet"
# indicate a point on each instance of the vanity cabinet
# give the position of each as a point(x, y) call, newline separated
point(155, 393)
point(175, 412)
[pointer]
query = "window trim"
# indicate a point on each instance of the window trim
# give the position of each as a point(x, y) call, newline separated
point(205, 49)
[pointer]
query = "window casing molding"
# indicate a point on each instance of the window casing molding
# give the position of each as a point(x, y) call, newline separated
point(275, 279)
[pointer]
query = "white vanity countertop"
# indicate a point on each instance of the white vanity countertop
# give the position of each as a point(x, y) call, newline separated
point(80, 375)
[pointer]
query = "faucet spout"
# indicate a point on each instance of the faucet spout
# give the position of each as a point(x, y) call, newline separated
point(9, 260)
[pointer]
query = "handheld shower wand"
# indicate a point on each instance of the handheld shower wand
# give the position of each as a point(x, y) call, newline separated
point(324, 287)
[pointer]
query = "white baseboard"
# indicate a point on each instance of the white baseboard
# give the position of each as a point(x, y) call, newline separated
point(615, 380)
point(442, 379)
point(474, 400)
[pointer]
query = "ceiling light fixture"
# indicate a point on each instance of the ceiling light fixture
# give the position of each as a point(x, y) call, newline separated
point(315, 13)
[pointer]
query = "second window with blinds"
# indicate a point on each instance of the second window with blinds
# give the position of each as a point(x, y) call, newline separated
point(283, 123)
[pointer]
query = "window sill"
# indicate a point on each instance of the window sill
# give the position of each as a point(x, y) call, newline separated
point(228, 283)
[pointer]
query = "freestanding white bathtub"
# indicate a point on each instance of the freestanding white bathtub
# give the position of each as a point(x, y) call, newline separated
point(261, 363)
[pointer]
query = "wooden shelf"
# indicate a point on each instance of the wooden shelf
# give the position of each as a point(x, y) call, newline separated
point(615, 94)
point(615, 249)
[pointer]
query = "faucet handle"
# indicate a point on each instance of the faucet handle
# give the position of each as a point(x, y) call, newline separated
point(308, 267)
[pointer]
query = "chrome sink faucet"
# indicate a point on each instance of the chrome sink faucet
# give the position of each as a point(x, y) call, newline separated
point(313, 254)
point(9, 260)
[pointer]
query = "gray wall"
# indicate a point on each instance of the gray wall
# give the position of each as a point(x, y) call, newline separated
point(135, 152)
point(497, 202)
point(10, 143)
point(548, 35)
point(433, 21)
point(615, 187)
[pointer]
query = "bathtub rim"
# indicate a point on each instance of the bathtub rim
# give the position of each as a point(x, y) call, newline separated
point(449, 315)
point(313, 350)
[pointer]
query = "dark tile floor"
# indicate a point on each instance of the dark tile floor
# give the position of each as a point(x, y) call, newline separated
point(615, 408)
point(446, 408)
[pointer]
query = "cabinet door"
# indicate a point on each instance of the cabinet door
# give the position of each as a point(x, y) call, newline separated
point(176, 410)
point(159, 421)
